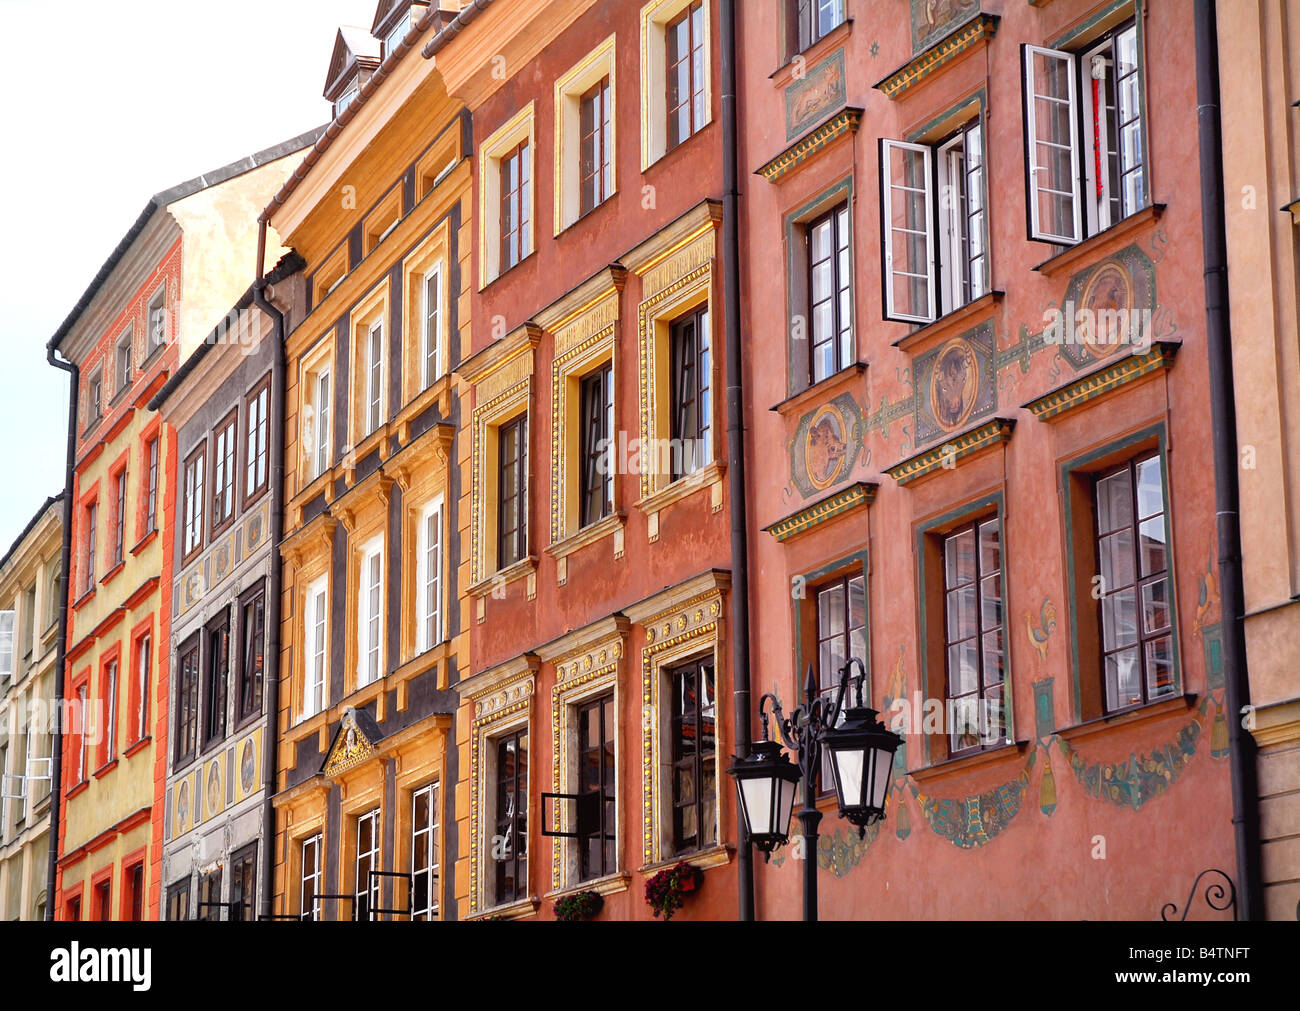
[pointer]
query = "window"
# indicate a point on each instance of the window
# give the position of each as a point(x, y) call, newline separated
point(178, 901)
point(516, 216)
point(256, 447)
point(102, 898)
point(963, 257)
point(187, 706)
point(134, 907)
point(367, 888)
point(1100, 123)
point(429, 576)
point(596, 489)
point(374, 377)
point(693, 731)
point(218, 679)
point(431, 330)
point(692, 394)
point(193, 509)
point(28, 635)
point(321, 426)
point(315, 639)
point(1136, 599)
point(110, 712)
point(424, 853)
point(512, 518)
point(144, 665)
point(6, 644)
point(684, 47)
point(83, 744)
point(73, 914)
point(510, 846)
point(95, 400)
point(370, 616)
point(347, 98)
point(394, 38)
point(812, 20)
point(596, 724)
point(157, 324)
point(209, 906)
point(243, 884)
point(594, 140)
point(122, 361)
point(830, 294)
point(974, 654)
point(841, 635)
point(151, 495)
point(119, 525)
point(252, 629)
point(92, 521)
point(311, 878)
point(55, 598)
point(224, 472)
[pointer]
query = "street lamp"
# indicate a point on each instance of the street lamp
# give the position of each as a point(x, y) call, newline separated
point(862, 755)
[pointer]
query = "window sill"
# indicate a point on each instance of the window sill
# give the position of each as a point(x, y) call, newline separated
point(946, 325)
point(183, 763)
point(137, 747)
point(526, 566)
point(814, 392)
point(669, 152)
point(610, 884)
point(374, 442)
point(105, 769)
point(112, 573)
point(972, 760)
point(145, 541)
point(506, 273)
point(510, 910)
point(584, 216)
point(589, 534)
point(785, 74)
point(80, 788)
point(1071, 255)
point(708, 476)
point(716, 856)
point(84, 599)
point(1138, 714)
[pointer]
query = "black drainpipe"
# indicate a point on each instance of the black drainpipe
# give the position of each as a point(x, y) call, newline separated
point(273, 608)
point(61, 643)
point(1223, 410)
point(736, 436)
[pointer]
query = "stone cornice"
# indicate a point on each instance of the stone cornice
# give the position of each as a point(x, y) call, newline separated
point(843, 122)
point(943, 52)
point(855, 496)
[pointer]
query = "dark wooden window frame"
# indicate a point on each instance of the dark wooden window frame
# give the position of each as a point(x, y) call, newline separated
point(698, 762)
point(692, 388)
point(152, 453)
point(602, 710)
point(257, 458)
point(596, 420)
point(515, 211)
point(983, 684)
point(512, 542)
point(178, 901)
point(593, 147)
point(243, 884)
point(252, 635)
point(838, 219)
point(514, 824)
point(695, 87)
point(216, 679)
point(227, 465)
point(194, 505)
point(188, 677)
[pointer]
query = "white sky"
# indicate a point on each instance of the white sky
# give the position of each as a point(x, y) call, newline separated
point(89, 86)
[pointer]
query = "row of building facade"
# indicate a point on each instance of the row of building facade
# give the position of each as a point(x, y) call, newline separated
point(448, 484)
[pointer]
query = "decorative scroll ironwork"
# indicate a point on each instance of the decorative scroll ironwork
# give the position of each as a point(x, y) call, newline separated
point(1215, 892)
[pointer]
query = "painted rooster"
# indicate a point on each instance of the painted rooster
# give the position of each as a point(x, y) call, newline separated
point(1040, 633)
point(1207, 595)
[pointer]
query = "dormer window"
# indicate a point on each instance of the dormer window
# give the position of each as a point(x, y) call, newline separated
point(355, 58)
point(347, 98)
point(397, 34)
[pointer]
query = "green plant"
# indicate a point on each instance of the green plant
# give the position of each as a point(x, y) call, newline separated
point(578, 906)
point(664, 891)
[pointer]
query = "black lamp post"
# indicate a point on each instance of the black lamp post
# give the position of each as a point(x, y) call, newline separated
point(862, 755)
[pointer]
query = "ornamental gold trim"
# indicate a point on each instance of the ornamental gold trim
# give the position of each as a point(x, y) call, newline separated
point(854, 497)
point(943, 52)
point(948, 455)
point(845, 121)
point(1128, 369)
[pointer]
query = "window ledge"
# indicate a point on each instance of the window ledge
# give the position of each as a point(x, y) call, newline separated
point(422, 662)
point(112, 573)
point(513, 267)
point(1148, 711)
point(369, 444)
point(930, 334)
point(610, 884)
point(526, 566)
point(1071, 255)
point(717, 856)
point(438, 391)
point(785, 74)
point(81, 787)
point(584, 216)
point(705, 477)
point(105, 769)
point(145, 541)
point(137, 747)
point(84, 599)
point(509, 911)
point(589, 534)
point(973, 760)
point(814, 392)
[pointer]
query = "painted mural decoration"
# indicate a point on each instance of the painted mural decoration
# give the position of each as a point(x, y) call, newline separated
point(933, 19)
point(1139, 778)
point(1039, 629)
point(247, 766)
point(1110, 307)
point(826, 445)
point(820, 92)
point(976, 820)
point(956, 385)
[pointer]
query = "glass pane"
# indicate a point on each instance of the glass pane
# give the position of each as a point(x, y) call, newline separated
point(830, 611)
point(1151, 537)
point(1155, 606)
point(963, 669)
point(1114, 502)
point(1160, 667)
point(1119, 619)
point(1150, 493)
point(991, 601)
point(821, 281)
point(1123, 685)
point(857, 602)
point(961, 613)
point(1116, 560)
point(993, 716)
point(990, 547)
point(965, 723)
point(994, 670)
point(959, 558)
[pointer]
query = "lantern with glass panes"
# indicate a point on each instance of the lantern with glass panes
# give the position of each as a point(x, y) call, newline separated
point(861, 754)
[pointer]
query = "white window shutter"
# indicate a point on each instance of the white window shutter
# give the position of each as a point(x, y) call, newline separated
point(907, 231)
point(1051, 116)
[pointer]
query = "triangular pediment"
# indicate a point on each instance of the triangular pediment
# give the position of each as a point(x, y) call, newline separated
point(387, 13)
point(354, 743)
point(354, 48)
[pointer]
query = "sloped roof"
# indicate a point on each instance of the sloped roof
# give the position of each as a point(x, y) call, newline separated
point(353, 47)
point(386, 12)
point(166, 198)
point(31, 525)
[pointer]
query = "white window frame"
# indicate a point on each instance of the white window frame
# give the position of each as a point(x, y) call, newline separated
point(887, 229)
point(431, 336)
point(83, 755)
point(362, 889)
point(6, 644)
point(428, 839)
point(953, 158)
point(370, 613)
point(375, 374)
point(654, 69)
point(429, 584)
point(569, 89)
point(520, 128)
point(397, 34)
point(1032, 169)
point(315, 649)
point(143, 667)
point(125, 344)
point(349, 96)
point(312, 843)
point(322, 390)
point(1097, 208)
point(110, 742)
